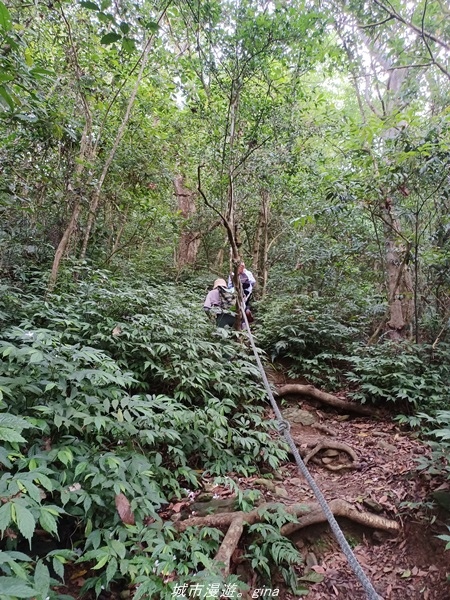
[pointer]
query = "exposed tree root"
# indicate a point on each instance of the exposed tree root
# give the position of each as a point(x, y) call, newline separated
point(325, 444)
point(324, 429)
point(306, 515)
point(330, 399)
point(229, 544)
point(341, 508)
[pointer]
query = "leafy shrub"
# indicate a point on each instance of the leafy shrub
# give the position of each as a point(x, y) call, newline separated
point(437, 429)
point(122, 392)
point(416, 376)
point(308, 334)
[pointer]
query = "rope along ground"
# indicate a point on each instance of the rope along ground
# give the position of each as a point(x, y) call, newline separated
point(284, 428)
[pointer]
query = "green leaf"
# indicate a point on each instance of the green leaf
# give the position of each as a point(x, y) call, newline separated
point(89, 5)
point(119, 548)
point(111, 569)
point(106, 18)
point(10, 586)
point(5, 516)
point(128, 45)
point(124, 27)
point(36, 356)
point(42, 579)
point(312, 577)
point(25, 521)
point(39, 73)
point(406, 574)
point(152, 26)
point(5, 18)
point(32, 490)
point(6, 97)
point(65, 456)
point(8, 420)
point(48, 522)
point(110, 38)
point(9, 435)
point(58, 567)
point(102, 562)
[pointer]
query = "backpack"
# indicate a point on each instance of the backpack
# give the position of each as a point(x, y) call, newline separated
point(227, 300)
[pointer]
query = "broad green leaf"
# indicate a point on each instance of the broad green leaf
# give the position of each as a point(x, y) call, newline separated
point(65, 456)
point(28, 57)
point(33, 491)
point(40, 72)
point(102, 562)
point(9, 420)
point(151, 26)
point(58, 567)
point(8, 101)
point(48, 522)
point(89, 5)
point(24, 520)
point(111, 569)
point(119, 548)
point(10, 586)
point(5, 18)
point(5, 516)
point(42, 579)
point(129, 45)
point(110, 38)
point(9, 435)
point(124, 27)
point(106, 18)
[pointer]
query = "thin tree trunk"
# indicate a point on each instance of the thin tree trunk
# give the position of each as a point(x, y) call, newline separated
point(75, 193)
point(256, 260)
point(73, 189)
point(265, 249)
point(96, 195)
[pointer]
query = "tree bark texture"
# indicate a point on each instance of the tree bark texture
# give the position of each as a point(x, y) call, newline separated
point(261, 242)
point(399, 280)
point(189, 241)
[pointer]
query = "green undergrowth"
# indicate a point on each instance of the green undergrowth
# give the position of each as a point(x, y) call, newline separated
point(117, 398)
point(324, 342)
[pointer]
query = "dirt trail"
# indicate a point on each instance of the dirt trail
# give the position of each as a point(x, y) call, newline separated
point(413, 565)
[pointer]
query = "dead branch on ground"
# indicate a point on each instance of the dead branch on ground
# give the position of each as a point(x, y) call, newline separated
point(326, 398)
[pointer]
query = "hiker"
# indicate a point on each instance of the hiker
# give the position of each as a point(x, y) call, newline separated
point(219, 302)
point(248, 282)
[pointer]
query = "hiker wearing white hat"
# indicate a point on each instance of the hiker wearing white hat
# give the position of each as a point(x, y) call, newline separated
point(221, 302)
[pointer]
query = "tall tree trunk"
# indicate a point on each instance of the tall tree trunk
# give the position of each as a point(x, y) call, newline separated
point(399, 280)
point(189, 241)
point(400, 289)
point(261, 243)
point(265, 248)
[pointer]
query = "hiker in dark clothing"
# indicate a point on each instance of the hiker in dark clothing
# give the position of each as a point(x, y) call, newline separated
point(218, 302)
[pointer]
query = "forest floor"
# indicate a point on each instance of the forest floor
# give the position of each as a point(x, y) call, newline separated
point(410, 565)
